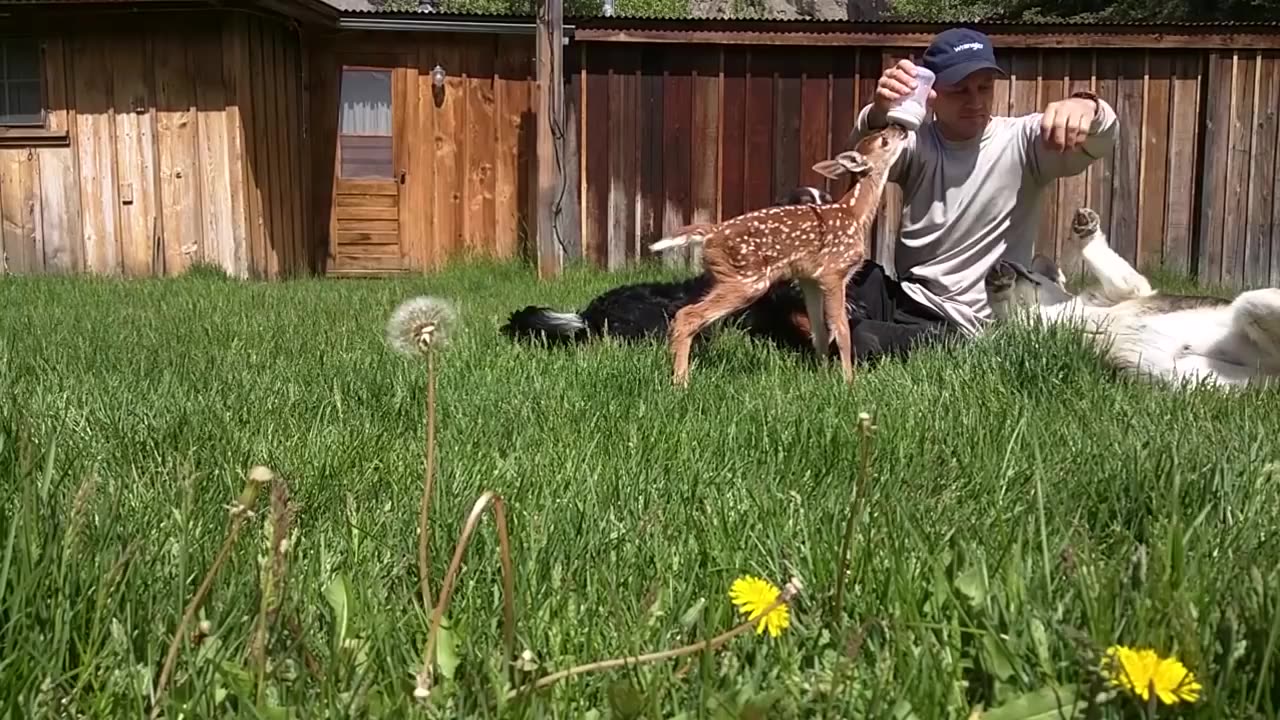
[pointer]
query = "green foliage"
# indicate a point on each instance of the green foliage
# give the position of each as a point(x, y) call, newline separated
point(1026, 509)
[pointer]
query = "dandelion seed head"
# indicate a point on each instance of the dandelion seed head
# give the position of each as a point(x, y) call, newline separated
point(420, 323)
point(1142, 671)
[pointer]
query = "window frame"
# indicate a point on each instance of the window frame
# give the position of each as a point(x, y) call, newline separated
point(33, 134)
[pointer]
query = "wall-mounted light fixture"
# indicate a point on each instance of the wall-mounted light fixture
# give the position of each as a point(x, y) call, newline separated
point(437, 76)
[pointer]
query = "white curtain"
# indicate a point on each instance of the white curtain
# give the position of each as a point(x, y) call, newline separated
point(366, 102)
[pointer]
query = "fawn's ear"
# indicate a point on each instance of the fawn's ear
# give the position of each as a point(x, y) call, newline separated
point(829, 168)
point(854, 162)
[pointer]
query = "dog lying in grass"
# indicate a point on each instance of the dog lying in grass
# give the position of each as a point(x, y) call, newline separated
point(642, 311)
point(1139, 331)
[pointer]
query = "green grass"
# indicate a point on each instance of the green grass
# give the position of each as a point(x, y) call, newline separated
point(1026, 509)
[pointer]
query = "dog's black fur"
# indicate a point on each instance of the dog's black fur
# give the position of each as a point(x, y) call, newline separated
point(643, 310)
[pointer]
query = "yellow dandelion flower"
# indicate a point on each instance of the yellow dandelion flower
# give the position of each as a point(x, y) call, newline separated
point(1142, 671)
point(753, 596)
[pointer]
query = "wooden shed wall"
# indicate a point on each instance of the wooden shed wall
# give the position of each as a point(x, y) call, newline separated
point(469, 149)
point(665, 134)
point(185, 144)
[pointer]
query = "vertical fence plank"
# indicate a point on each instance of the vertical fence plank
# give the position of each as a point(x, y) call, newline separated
point(1217, 136)
point(815, 114)
point(733, 142)
point(480, 207)
point(1235, 221)
point(787, 101)
point(758, 178)
point(705, 136)
point(511, 102)
point(844, 91)
point(1155, 160)
point(1052, 87)
point(624, 74)
point(595, 126)
point(677, 120)
point(651, 187)
point(1106, 73)
point(1073, 192)
point(1125, 199)
point(1258, 234)
point(571, 222)
point(1184, 141)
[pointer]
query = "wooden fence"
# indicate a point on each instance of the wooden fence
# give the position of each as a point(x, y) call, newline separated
point(666, 134)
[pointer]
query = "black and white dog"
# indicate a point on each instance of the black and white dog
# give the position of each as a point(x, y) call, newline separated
point(642, 311)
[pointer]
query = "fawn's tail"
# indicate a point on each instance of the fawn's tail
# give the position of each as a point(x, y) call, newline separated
point(688, 235)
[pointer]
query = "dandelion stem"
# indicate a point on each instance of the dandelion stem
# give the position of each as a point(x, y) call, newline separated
point(865, 427)
point(713, 643)
point(428, 482)
point(446, 590)
point(239, 511)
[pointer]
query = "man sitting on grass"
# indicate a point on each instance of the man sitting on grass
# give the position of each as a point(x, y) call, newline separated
point(972, 187)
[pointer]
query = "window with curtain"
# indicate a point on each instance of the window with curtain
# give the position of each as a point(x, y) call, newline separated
point(364, 126)
point(22, 98)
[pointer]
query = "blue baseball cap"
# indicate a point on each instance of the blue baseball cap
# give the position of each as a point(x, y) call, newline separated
point(956, 53)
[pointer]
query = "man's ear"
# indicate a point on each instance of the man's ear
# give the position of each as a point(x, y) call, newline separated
point(854, 162)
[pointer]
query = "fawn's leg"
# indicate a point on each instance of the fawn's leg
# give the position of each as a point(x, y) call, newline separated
point(723, 298)
point(818, 331)
point(833, 295)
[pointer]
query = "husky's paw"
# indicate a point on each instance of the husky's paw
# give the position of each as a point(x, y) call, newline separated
point(1085, 223)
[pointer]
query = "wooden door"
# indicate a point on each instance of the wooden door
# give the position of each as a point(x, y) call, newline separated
point(367, 223)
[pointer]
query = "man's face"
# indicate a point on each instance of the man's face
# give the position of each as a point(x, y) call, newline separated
point(963, 110)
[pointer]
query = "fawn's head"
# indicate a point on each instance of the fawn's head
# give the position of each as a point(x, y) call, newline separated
point(878, 150)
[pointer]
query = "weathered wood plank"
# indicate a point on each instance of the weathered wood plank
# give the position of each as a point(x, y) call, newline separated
point(1052, 72)
point(677, 122)
point(706, 139)
point(757, 178)
point(1102, 179)
point(787, 110)
point(1127, 159)
point(479, 150)
point(95, 146)
point(1235, 222)
point(623, 156)
point(22, 255)
point(1184, 136)
point(649, 132)
point(1217, 129)
point(815, 116)
point(1260, 238)
point(350, 212)
point(1073, 191)
point(272, 152)
point(511, 102)
point(295, 212)
point(733, 140)
point(178, 153)
point(59, 179)
point(450, 123)
point(571, 218)
point(844, 108)
point(1152, 194)
point(228, 115)
point(597, 115)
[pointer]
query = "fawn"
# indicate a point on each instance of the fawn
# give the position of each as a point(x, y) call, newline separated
point(819, 246)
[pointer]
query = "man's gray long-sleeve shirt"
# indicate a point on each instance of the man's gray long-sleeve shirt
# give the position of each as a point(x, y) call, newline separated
point(966, 204)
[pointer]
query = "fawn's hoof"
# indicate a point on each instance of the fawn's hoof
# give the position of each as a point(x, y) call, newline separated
point(1085, 222)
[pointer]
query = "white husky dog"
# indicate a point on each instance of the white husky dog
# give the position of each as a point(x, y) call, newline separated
point(1140, 331)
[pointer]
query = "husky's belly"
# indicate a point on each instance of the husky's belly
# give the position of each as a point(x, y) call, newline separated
point(1197, 344)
